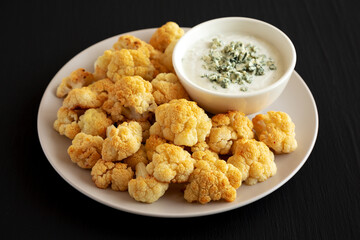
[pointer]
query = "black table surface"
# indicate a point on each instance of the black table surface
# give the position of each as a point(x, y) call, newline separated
point(322, 201)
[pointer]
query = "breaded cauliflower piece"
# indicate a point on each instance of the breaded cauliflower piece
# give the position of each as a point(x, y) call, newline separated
point(130, 62)
point(221, 139)
point(77, 79)
point(156, 58)
point(94, 122)
point(121, 142)
point(145, 126)
point(85, 150)
point(182, 122)
point(139, 156)
point(101, 173)
point(67, 122)
point(106, 173)
point(151, 143)
point(276, 130)
point(166, 87)
point(130, 97)
point(102, 88)
point(232, 173)
point(205, 155)
point(136, 95)
point(164, 35)
point(254, 159)
point(121, 174)
point(146, 188)
point(212, 180)
point(201, 146)
point(226, 128)
point(114, 108)
point(166, 58)
point(132, 42)
point(81, 98)
point(101, 65)
point(171, 163)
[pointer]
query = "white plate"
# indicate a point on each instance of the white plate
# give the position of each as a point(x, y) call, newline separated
point(296, 100)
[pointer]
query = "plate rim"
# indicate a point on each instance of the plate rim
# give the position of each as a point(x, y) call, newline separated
point(172, 215)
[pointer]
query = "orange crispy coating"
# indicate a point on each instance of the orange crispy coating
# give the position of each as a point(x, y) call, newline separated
point(146, 188)
point(170, 163)
point(77, 79)
point(132, 42)
point(212, 180)
point(67, 122)
point(165, 35)
point(151, 143)
point(106, 173)
point(101, 65)
point(139, 156)
point(182, 122)
point(85, 150)
point(94, 122)
point(254, 159)
point(226, 128)
point(81, 98)
point(166, 87)
point(122, 142)
point(129, 62)
point(276, 130)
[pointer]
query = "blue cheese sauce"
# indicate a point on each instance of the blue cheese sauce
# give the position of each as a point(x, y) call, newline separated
point(232, 63)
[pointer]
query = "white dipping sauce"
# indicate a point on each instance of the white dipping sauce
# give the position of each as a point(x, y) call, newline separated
point(193, 64)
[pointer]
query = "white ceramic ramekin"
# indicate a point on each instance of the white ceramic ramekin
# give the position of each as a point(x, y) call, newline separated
point(247, 102)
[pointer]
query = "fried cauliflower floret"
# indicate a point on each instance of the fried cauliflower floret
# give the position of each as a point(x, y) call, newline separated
point(139, 156)
point(254, 159)
point(130, 97)
point(221, 139)
point(121, 142)
point(201, 146)
point(164, 35)
point(182, 122)
point(151, 143)
point(276, 130)
point(226, 128)
point(67, 122)
point(120, 176)
point(94, 122)
point(77, 79)
point(132, 42)
point(171, 163)
point(135, 94)
point(166, 87)
point(157, 59)
point(205, 155)
point(146, 188)
point(212, 180)
point(81, 98)
point(85, 150)
point(101, 173)
point(145, 126)
point(166, 58)
point(114, 107)
point(106, 173)
point(101, 65)
point(232, 173)
point(130, 62)
point(102, 88)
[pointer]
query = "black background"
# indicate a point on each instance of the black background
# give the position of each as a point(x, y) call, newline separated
point(322, 201)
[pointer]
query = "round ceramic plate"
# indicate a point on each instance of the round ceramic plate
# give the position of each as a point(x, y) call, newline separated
point(296, 100)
